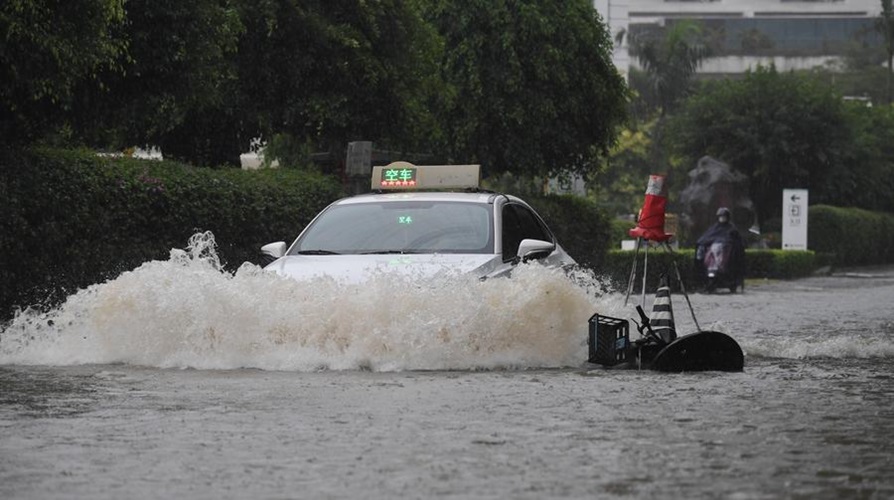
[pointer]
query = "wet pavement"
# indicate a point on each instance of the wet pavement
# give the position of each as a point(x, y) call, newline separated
point(92, 417)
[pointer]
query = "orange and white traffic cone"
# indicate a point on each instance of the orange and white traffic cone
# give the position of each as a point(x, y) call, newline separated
point(650, 223)
point(662, 319)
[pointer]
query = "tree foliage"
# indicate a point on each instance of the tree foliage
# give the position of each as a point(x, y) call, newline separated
point(669, 59)
point(47, 49)
point(532, 87)
point(622, 181)
point(178, 85)
point(784, 130)
point(328, 72)
point(866, 178)
point(522, 85)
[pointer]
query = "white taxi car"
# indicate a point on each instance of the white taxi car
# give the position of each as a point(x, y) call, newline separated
point(419, 220)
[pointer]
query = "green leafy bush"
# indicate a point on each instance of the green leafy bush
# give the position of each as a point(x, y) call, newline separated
point(851, 236)
point(582, 228)
point(72, 219)
point(836, 236)
point(621, 231)
point(788, 264)
point(780, 264)
point(620, 262)
point(776, 264)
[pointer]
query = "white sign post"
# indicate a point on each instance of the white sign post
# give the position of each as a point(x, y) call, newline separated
point(794, 219)
point(359, 159)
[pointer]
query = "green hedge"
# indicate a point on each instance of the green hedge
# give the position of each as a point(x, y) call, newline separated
point(776, 264)
point(620, 262)
point(836, 236)
point(851, 236)
point(780, 264)
point(72, 219)
point(582, 228)
point(620, 231)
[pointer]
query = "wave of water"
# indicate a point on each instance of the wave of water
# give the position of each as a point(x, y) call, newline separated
point(815, 323)
point(856, 345)
point(187, 312)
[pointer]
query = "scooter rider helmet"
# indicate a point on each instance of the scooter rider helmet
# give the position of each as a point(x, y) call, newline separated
point(723, 214)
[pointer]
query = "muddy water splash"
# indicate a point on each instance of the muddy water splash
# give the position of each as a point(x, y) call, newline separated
point(188, 312)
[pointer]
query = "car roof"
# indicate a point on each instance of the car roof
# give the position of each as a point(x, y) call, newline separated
point(397, 196)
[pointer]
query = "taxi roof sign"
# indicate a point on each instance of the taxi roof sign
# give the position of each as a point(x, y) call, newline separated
point(404, 176)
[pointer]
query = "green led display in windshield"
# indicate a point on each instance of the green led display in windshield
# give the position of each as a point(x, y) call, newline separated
point(399, 177)
point(405, 219)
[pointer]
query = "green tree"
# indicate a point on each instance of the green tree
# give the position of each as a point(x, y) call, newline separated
point(177, 87)
point(867, 177)
point(320, 73)
point(860, 72)
point(782, 130)
point(620, 185)
point(47, 49)
point(669, 59)
point(531, 85)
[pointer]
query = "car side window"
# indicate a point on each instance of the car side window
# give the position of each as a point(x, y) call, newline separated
point(531, 226)
point(519, 223)
point(512, 233)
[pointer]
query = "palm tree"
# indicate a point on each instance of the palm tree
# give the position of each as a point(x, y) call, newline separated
point(670, 61)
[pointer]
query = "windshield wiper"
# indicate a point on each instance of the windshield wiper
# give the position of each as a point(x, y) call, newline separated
point(377, 252)
point(317, 252)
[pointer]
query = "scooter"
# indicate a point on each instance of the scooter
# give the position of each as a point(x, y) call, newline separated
point(719, 266)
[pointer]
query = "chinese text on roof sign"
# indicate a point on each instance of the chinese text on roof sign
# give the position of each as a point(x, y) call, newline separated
point(402, 175)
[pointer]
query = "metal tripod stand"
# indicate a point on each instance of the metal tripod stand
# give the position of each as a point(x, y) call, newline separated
point(630, 280)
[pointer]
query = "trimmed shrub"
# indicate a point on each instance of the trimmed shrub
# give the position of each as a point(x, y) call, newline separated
point(851, 236)
point(785, 264)
point(620, 263)
point(621, 231)
point(776, 264)
point(582, 228)
point(72, 219)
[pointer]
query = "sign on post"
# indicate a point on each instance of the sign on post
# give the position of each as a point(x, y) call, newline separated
point(359, 159)
point(794, 219)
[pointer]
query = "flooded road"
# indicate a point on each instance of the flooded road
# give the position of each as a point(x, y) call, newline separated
point(146, 388)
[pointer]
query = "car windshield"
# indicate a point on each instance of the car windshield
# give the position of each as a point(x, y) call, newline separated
point(400, 227)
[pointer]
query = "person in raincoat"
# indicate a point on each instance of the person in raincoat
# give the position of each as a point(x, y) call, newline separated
point(720, 254)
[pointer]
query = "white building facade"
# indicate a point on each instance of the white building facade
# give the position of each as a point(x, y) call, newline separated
point(792, 34)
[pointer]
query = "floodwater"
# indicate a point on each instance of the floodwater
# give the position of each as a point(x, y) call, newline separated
point(179, 380)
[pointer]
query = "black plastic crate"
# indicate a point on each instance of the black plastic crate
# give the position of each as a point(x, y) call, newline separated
point(609, 340)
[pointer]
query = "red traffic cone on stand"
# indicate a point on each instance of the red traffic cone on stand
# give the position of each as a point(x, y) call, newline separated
point(650, 223)
point(662, 319)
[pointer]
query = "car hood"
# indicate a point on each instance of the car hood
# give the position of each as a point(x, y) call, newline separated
point(359, 268)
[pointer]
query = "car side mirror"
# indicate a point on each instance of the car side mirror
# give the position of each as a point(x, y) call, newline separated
point(275, 250)
point(529, 248)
